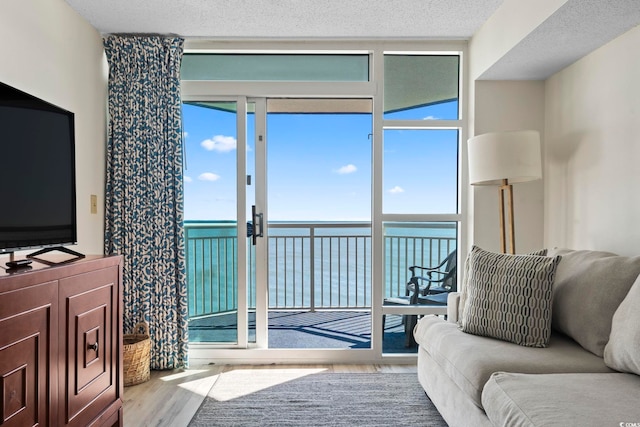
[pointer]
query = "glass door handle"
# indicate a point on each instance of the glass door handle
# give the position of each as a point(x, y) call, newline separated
point(257, 225)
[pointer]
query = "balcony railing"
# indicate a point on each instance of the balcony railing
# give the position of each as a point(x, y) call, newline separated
point(311, 265)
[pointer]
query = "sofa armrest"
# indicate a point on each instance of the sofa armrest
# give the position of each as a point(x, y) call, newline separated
point(453, 307)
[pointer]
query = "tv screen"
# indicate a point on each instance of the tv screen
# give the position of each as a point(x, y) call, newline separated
point(37, 172)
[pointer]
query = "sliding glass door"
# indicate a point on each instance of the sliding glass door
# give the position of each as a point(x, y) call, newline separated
point(220, 259)
point(319, 230)
point(278, 223)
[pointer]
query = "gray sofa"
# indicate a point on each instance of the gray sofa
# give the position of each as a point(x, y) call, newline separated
point(588, 374)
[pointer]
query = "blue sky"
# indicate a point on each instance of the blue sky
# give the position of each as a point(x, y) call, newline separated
point(319, 165)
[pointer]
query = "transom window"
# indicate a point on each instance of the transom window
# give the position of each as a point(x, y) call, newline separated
point(276, 67)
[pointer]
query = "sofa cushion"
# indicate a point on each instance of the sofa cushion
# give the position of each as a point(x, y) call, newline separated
point(588, 288)
point(465, 276)
point(469, 360)
point(509, 297)
point(622, 352)
point(562, 399)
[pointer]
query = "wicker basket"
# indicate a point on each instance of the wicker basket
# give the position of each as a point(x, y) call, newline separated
point(136, 355)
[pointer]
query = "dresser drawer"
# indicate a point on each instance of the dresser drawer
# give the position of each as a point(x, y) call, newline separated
point(87, 303)
point(28, 329)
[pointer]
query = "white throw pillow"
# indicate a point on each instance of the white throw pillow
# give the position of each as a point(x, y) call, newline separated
point(588, 289)
point(622, 352)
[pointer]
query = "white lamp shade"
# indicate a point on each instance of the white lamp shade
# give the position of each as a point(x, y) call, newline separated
point(514, 156)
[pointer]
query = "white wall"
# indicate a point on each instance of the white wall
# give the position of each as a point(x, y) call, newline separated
point(503, 106)
point(49, 51)
point(592, 161)
point(506, 105)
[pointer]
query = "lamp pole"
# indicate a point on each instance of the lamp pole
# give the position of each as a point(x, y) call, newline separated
point(508, 189)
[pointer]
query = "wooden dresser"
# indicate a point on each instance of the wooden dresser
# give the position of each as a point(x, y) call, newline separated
point(61, 344)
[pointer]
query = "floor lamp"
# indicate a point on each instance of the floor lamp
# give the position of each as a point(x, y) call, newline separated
point(503, 159)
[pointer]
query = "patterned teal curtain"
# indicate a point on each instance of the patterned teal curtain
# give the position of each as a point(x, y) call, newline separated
point(144, 189)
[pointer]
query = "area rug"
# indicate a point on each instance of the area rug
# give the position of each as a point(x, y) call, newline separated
point(317, 399)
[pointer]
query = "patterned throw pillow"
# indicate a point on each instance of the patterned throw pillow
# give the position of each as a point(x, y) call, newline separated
point(509, 297)
point(463, 293)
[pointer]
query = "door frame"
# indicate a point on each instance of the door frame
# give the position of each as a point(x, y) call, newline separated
point(243, 351)
point(262, 251)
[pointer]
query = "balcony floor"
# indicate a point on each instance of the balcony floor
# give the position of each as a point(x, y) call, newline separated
point(306, 330)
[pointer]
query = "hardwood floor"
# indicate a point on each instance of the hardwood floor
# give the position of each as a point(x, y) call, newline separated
point(171, 398)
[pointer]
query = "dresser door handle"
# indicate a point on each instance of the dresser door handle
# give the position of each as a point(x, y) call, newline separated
point(93, 347)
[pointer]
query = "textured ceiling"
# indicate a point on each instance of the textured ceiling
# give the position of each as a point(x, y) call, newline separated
point(575, 29)
point(290, 19)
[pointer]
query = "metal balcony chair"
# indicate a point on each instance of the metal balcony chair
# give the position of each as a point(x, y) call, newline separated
point(439, 280)
point(432, 288)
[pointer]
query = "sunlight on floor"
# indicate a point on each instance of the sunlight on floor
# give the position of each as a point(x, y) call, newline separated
point(179, 375)
point(200, 386)
point(193, 380)
point(241, 382)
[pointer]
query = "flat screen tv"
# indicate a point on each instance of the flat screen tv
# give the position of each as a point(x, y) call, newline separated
point(37, 174)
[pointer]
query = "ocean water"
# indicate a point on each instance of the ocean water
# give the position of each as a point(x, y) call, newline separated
point(321, 265)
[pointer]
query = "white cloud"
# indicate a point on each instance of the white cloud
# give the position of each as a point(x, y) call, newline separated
point(187, 178)
point(396, 190)
point(347, 169)
point(208, 176)
point(219, 143)
point(431, 118)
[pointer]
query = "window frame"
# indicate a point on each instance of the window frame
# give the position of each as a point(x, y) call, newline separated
point(460, 216)
point(373, 89)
